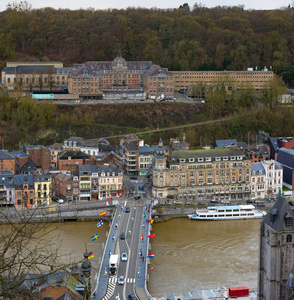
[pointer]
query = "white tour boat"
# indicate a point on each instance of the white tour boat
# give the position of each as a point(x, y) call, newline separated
point(230, 212)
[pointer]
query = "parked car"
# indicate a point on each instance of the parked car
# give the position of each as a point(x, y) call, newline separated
point(122, 236)
point(291, 203)
point(189, 203)
point(60, 201)
point(260, 205)
point(131, 191)
point(249, 201)
point(133, 177)
point(141, 187)
point(177, 202)
point(124, 257)
point(137, 197)
point(132, 297)
point(201, 203)
point(225, 201)
point(121, 280)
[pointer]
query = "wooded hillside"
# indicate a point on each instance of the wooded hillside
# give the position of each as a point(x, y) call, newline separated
point(198, 38)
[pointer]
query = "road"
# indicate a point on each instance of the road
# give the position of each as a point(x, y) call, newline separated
point(134, 225)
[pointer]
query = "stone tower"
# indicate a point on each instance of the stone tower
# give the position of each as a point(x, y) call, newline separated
point(276, 256)
point(160, 159)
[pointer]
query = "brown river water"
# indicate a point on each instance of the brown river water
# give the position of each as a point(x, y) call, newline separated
point(189, 255)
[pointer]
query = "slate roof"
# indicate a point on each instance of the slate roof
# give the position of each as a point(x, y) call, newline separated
point(176, 155)
point(73, 154)
point(226, 143)
point(285, 157)
point(110, 169)
point(242, 145)
point(30, 70)
point(56, 146)
point(21, 179)
point(146, 150)
point(5, 155)
point(132, 146)
point(276, 217)
point(27, 167)
point(88, 169)
point(256, 167)
point(263, 150)
point(276, 142)
point(19, 154)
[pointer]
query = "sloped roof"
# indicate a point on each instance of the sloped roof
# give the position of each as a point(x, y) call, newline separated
point(276, 217)
point(226, 143)
point(5, 155)
point(285, 157)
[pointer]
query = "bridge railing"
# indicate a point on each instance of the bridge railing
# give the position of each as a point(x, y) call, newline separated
point(105, 247)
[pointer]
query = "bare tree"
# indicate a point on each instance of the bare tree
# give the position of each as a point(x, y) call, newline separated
point(25, 248)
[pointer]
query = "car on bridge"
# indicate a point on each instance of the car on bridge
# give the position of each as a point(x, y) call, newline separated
point(121, 280)
point(124, 257)
point(123, 236)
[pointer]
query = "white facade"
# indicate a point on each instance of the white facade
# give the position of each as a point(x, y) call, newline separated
point(266, 179)
point(90, 150)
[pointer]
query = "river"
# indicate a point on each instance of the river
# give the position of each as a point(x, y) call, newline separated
point(189, 255)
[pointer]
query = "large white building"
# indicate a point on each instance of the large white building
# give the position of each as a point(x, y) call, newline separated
point(266, 179)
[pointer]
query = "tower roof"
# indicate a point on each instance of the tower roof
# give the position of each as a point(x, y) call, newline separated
point(281, 217)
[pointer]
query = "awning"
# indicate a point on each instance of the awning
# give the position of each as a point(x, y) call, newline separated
point(121, 191)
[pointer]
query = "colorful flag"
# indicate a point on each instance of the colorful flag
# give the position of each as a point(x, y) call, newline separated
point(152, 269)
point(103, 213)
point(151, 236)
point(91, 255)
point(95, 237)
point(142, 237)
point(110, 199)
point(100, 224)
point(151, 255)
point(151, 221)
point(107, 203)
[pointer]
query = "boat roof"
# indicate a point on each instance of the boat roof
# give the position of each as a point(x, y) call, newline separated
point(249, 206)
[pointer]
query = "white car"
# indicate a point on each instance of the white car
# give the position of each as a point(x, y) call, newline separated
point(60, 201)
point(124, 257)
point(121, 280)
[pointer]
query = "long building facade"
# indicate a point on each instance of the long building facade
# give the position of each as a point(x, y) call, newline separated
point(219, 174)
point(95, 79)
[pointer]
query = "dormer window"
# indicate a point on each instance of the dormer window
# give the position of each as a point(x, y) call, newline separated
point(70, 143)
point(102, 174)
point(182, 160)
point(253, 172)
point(74, 143)
point(113, 174)
point(200, 159)
point(225, 158)
point(69, 158)
point(233, 158)
point(260, 172)
point(239, 157)
point(217, 159)
point(207, 158)
point(273, 215)
point(65, 143)
point(288, 220)
point(191, 159)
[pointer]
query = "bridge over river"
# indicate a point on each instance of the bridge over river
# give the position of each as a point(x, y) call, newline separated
point(134, 224)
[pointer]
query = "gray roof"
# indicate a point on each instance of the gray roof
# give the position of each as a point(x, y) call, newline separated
point(145, 150)
point(28, 166)
point(213, 153)
point(30, 70)
point(73, 154)
point(56, 146)
point(226, 143)
point(257, 167)
point(19, 154)
point(20, 179)
point(5, 155)
point(277, 215)
point(242, 145)
point(87, 169)
point(285, 157)
point(111, 169)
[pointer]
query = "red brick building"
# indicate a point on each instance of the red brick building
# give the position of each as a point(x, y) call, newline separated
point(69, 160)
point(40, 155)
point(24, 190)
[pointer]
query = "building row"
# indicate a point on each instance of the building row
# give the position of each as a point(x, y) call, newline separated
point(214, 174)
point(95, 79)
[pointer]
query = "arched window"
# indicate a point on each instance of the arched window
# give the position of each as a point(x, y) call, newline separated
point(289, 238)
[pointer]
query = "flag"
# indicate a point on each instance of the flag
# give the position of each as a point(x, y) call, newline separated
point(151, 236)
point(152, 269)
point(91, 255)
point(95, 237)
point(141, 254)
point(103, 213)
point(100, 224)
point(151, 255)
point(151, 221)
point(110, 199)
point(107, 203)
point(142, 237)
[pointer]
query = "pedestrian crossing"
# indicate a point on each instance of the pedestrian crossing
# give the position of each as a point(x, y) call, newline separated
point(109, 292)
point(128, 280)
